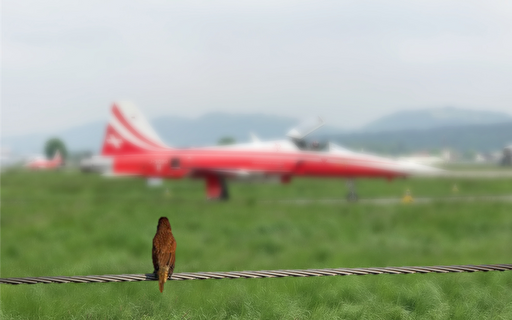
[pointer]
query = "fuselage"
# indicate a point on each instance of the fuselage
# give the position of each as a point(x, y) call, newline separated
point(180, 163)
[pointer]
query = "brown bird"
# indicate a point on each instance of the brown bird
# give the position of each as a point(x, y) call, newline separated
point(164, 252)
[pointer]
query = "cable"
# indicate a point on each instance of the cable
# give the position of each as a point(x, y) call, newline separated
point(259, 274)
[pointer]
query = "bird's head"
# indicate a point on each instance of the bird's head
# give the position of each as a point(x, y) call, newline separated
point(163, 222)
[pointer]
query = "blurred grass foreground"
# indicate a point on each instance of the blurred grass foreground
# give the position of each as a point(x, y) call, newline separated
point(66, 223)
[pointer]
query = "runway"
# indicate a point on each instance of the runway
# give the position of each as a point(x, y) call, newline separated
point(489, 174)
point(498, 198)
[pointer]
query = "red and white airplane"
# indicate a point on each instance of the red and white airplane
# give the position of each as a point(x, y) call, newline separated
point(132, 147)
point(40, 163)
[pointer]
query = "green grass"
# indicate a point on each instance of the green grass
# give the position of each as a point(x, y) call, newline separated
point(66, 223)
point(474, 167)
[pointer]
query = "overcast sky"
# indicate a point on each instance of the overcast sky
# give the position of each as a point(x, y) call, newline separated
point(64, 62)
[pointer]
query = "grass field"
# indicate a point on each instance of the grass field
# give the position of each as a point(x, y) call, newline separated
point(66, 223)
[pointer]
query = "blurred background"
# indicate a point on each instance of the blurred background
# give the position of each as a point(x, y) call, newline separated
point(424, 81)
point(429, 79)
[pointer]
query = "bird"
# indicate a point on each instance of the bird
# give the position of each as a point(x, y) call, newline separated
point(164, 252)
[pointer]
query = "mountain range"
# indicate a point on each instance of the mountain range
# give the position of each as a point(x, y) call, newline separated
point(435, 117)
point(175, 131)
point(400, 131)
point(462, 138)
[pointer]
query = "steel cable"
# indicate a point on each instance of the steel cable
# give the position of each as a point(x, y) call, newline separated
point(260, 274)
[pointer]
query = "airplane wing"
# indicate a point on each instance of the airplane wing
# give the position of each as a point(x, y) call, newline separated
point(238, 173)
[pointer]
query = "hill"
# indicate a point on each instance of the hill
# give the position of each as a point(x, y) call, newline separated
point(207, 129)
point(400, 132)
point(484, 138)
point(434, 118)
point(175, 131)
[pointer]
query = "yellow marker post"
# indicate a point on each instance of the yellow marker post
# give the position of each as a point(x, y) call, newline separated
point(407, 197)
point(455, 189)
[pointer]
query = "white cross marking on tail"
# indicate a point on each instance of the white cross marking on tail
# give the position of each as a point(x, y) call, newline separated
point(115, 141)
point(159, 163)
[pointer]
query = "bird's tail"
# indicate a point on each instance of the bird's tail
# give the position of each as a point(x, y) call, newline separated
point(163, 273)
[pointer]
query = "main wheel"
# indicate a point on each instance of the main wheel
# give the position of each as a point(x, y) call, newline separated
point(224, 194)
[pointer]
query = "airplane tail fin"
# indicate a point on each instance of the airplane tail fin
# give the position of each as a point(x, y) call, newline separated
point(129, 132)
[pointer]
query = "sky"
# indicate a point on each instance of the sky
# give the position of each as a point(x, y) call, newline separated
point(351, 62)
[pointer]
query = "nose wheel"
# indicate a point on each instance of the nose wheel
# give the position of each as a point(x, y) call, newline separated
point(352, 194)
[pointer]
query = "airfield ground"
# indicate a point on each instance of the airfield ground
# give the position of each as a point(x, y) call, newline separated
point(68, 223)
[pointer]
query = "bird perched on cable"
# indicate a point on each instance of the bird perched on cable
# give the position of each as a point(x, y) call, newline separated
point(164, 252)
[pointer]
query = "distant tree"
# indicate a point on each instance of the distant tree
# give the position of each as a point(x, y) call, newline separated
point(469, 154)
point(54, 144)
point(436, 152)
point(226, 140)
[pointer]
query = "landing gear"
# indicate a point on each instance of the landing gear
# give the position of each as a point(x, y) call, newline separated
point(216, 188)
point(351, 195)
point(224, 194)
